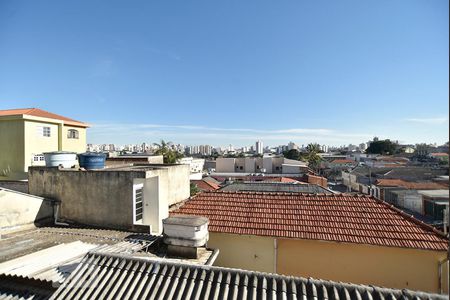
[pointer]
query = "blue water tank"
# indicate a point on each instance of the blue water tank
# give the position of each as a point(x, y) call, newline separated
point(92, 160)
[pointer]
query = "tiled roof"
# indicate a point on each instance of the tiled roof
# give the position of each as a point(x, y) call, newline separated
point(206, 185)
point(339, 218)
point(441, 154)
point(409, 184)
point(122, 277)
point(276, 187)
point(281, 179)
point(343, 161)
point(41, 113)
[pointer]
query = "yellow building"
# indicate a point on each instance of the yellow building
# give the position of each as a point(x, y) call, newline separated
point(25, 134)
point(356, 239)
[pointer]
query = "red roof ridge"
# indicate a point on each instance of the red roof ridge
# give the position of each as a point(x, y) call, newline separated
point(37, 112)
point(349, 218)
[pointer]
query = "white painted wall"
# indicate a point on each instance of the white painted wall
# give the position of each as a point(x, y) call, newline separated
point(20, 209)
point(225, 165)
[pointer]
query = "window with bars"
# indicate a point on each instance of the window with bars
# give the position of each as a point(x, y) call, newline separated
point(138, 196)
point(72, 134)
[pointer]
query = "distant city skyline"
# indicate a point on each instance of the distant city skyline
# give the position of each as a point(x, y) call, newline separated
point(106, 133)
point(334, 72)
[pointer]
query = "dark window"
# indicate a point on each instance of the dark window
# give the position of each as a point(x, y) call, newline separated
point(72, 134)
point(46, 131)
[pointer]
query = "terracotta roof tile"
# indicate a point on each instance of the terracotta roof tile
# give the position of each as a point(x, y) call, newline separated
point(41, 113)
point(409, 184)
point(441, 154)
point(281, 179)
point(339, 218)
point(206, 185)
point(343, 161)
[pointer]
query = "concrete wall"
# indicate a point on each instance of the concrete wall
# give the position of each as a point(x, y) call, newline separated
point(250, 165)
point(383, 266)
point(103, 198)
point(177, 178)
point(411, 200)
point(267, 164)
point(248, 252)
point(21, 209)
point(12, 157)
point(74, 145)
point(292, 169)
point(277, 164)
point(225, 165)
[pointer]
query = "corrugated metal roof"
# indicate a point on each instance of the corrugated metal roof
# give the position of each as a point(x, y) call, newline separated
point(276, 187)
point(52, 264)
point(19, 288)
point(55, 264)
point(346, 218)
point(119, 277)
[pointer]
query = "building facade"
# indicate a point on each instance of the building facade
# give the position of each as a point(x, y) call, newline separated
point(335, 237)
point(25, 134)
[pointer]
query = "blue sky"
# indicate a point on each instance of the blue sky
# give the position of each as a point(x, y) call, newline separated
point(221, 72)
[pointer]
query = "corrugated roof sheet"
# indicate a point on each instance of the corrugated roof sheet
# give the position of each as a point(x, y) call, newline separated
point(19, 288)
point(276, 187)
point(55, 263)
point(119, 277)
point(52, 264)
point(338, 218)
point(41, 113)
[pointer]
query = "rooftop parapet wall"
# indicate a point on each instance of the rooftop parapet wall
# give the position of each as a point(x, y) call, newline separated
point(105, 197)
point(89, 197)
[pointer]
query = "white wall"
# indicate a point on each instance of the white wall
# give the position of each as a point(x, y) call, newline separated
point(225, 165)
point(21, 209)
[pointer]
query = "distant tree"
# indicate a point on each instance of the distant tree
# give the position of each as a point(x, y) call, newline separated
point(292, 154)
point(312, 156)
point(382, 147)
point(170, 156)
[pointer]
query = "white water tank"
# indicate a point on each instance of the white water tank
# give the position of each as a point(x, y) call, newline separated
point(64, 158)
point(186, 230)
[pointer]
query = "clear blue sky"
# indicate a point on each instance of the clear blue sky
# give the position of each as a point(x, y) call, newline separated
point(221, 72)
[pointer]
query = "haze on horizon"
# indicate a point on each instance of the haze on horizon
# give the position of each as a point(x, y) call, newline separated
point(232, 72)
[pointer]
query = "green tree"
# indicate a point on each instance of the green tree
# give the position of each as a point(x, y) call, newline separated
point(170, 156)
point(382, 147)
point(312, 156)
point(194, 189)
point(292, 154)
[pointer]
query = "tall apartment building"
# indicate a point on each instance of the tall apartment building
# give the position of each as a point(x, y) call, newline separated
point(259, 147)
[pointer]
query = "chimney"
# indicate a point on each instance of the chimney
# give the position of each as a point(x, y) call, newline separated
point(185, 234)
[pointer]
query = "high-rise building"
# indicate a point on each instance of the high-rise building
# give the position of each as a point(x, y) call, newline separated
point(292, 146)
point(259, 147)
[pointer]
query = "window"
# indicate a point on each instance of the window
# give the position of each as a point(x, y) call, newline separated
point(72, 134)
point(138, 196)
point(43, 131)
point(46, 131)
